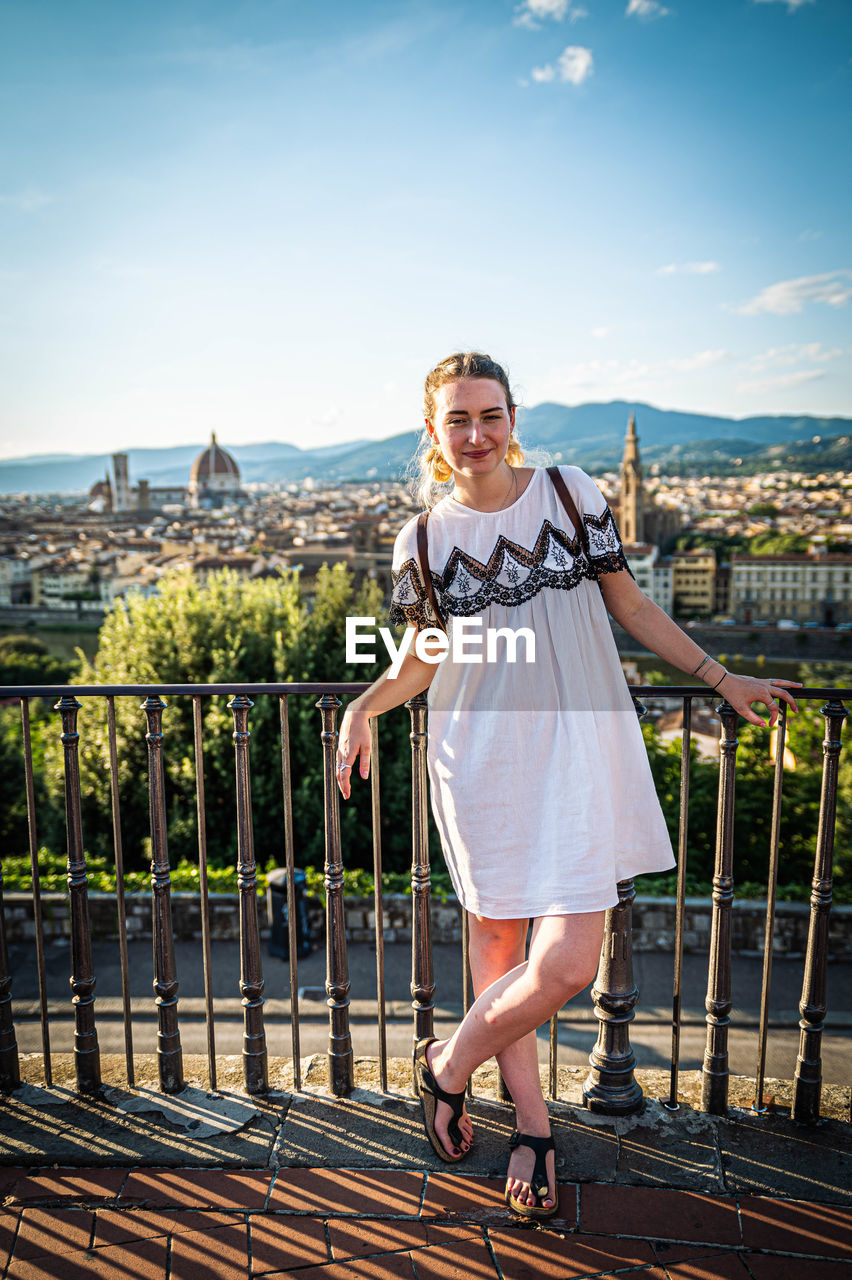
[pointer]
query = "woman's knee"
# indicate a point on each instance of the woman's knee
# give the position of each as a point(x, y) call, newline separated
point(497, 935)
point(563, 981)
point(496, 947)
point(565, 967)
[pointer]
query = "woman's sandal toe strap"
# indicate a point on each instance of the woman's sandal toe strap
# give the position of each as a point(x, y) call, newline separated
point(539, 1184)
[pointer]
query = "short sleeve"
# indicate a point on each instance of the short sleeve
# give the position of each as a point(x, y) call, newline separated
point(602, 538)
point(409, 605)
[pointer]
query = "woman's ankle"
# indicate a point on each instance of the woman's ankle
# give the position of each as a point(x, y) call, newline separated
point(438, 1058)
point(535, 1122)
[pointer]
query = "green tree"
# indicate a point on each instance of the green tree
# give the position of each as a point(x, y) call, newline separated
point(231, 631)
point(763, 509)
point(25, 660)
point(753, 796)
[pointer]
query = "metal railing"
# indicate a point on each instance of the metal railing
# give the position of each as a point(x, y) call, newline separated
point(610, 1088)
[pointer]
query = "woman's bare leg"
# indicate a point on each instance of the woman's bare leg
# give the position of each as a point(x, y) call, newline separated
point(497, 947)
point(563, 959)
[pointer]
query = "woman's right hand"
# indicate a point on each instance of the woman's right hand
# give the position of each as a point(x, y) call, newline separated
point(354, 740)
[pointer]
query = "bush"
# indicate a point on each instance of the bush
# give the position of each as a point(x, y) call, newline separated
point(231, 631)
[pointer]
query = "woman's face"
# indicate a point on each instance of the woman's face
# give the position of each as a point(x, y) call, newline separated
point(472, 424)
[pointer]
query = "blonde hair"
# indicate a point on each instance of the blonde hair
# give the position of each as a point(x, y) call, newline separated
point(429, 469)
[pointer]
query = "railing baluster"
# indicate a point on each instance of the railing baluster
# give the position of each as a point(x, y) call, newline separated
point(121, 909)
point(255, 1063)
point(611, 1087)
point(10, 1070)
point(87, 1061)
point(34, 872)
point(341, 1061)
point(466, 977)
point(807, 1083)
point(714, 1073)
point(169, 1053)
point(198, 749)
point(378, 902)
point(422, 972)
point(553, 1058)
point(771, 892)
point(289, 862)
point(671, 1102)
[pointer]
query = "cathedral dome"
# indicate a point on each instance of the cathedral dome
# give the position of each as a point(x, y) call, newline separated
point(213, 461)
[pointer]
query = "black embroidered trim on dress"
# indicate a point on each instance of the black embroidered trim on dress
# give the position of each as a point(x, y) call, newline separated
point(512, 575)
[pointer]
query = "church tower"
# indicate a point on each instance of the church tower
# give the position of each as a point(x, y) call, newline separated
point(631, 507)
point(121, 500)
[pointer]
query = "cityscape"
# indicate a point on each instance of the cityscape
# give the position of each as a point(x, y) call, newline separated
point(69, 558)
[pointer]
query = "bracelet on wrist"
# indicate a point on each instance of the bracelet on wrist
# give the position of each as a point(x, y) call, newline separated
point(707, 673)
point(704, 660)
point(721, 678)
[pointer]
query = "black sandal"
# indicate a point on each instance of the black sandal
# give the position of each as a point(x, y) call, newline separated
point(430, 1094)
point(538, 1182)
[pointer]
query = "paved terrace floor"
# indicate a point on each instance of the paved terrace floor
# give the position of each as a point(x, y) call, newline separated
point(133, 1184)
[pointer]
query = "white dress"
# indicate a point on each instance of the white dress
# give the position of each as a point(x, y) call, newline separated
point(539, 778)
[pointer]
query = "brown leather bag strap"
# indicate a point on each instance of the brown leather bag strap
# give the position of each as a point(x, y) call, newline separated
point(423, 557)
point(570, 506)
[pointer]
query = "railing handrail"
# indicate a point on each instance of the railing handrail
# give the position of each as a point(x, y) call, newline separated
point(351, 686)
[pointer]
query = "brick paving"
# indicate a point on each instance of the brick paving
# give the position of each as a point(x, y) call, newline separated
point(331, 1224)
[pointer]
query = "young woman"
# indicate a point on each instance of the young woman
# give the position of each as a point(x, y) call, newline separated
point(539, 778)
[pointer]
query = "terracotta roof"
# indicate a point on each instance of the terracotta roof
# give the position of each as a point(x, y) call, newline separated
point(214, 461)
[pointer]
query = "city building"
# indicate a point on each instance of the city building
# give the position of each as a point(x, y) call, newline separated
point(813, 587)
point(214, 480)
point(640, 519)
point(694, 583)
point(653, 572)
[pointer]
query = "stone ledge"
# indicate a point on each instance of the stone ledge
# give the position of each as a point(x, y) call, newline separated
point(739, 1153)
point(653, 921)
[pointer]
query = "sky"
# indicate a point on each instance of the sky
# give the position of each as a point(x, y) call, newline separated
point(271, 218)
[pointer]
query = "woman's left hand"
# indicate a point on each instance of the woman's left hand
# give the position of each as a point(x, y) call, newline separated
point(742, 691)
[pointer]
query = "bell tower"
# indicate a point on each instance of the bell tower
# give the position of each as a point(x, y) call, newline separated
point(631, 507)
point(121, 483)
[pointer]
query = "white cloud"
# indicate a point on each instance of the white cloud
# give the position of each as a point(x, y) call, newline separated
point(793, 353)
point(787, 297)
point(761, 386)
point(532, 12)
point(810, 234)
point(688, 269)
point(701, 360)
point(646, 9)
point(602, 331)
point(596, 374)
point(29, 200)
point(792, 5)
point(574, 65)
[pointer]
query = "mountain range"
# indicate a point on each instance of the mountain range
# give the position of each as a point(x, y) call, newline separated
point(588, 435)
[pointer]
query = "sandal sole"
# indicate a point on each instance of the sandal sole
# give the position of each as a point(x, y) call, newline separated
point(429, 1107)
point(529, 1210)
